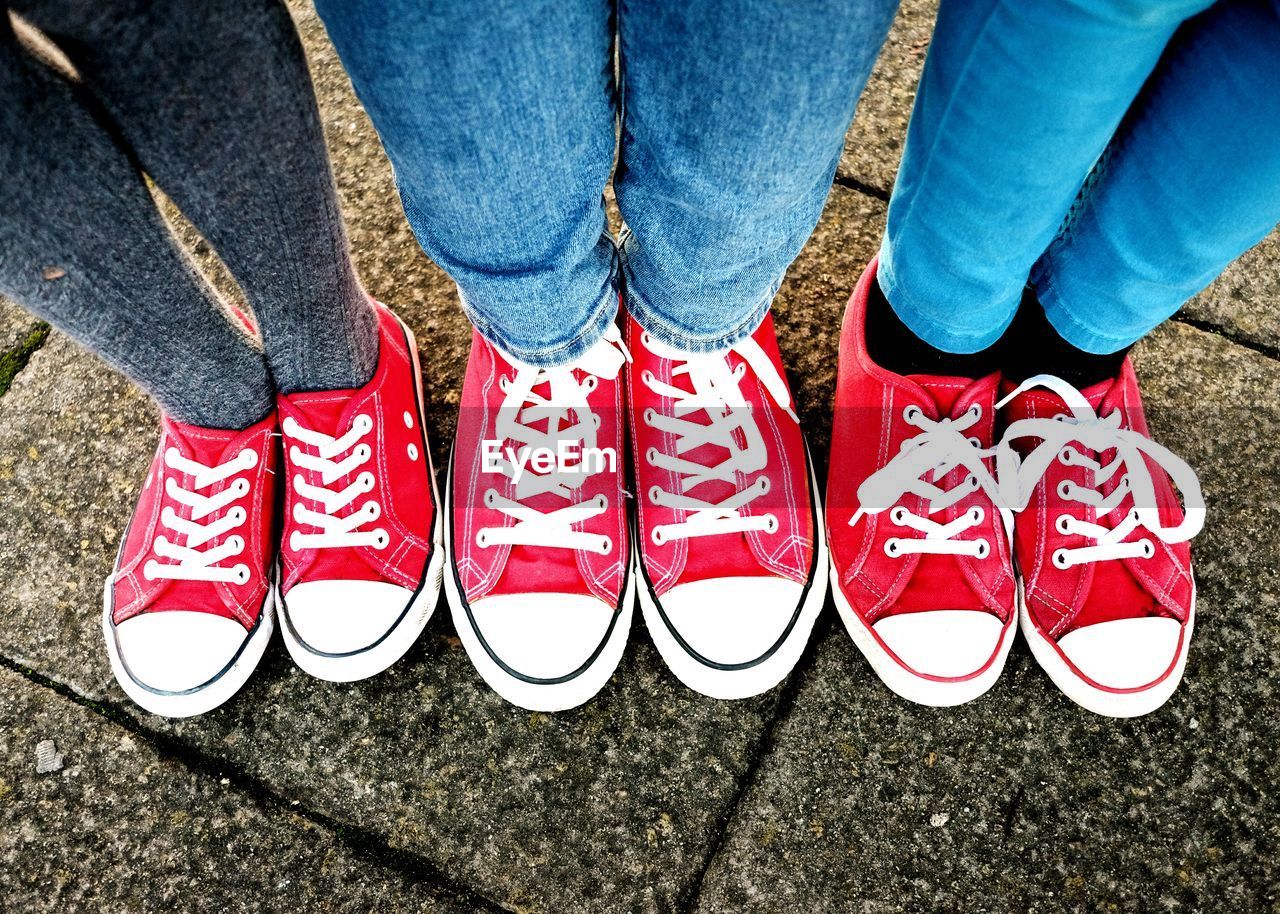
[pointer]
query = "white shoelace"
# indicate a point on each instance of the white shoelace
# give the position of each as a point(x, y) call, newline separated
point(521, 413)
point(190, 561)
point(1019, 477)
point(716, 394)
point(334, 458)
point(940, 448)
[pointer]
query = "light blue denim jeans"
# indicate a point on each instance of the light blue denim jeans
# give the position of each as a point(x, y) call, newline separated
point(501, 120)
point(1116, 152)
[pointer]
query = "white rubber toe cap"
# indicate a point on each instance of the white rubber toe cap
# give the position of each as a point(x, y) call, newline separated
point(176, 650)
point(340, 617)
point(542, 635)
point(948, 643)
point(732, 621)
point(1124, 653)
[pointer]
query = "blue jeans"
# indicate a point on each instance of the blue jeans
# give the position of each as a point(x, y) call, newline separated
point(1117, 153)
point(500, 120)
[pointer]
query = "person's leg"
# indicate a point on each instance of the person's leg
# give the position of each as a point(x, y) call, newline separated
point(1016, 102)
point(1191, 181)
point(215, 99)
point(734, 116)
point(83, 246)
point(499, 121)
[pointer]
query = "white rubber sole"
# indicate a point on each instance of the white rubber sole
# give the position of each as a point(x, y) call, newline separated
point(391, 647)
point(205, 697)
point(357, 665)
point(1127, 703)
point(537, 696)
point(729, 683)
point(934, 693)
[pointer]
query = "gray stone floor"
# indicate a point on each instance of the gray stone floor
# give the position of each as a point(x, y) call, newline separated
point(420, 790)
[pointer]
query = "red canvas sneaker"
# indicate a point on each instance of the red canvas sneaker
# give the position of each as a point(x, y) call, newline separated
point(921, 566)
point(1107, 596)
point(360, 552)
point(540, 585)
point(187, 611)
point(728, 537)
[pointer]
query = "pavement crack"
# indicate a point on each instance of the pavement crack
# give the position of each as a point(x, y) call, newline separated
point(1233, 336)
point(691, 898)
point(14, 360)
point(1013, 809)
point(364, 844)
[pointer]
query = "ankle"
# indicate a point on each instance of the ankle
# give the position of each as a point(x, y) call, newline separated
point(894, 346)
point(1032, 346)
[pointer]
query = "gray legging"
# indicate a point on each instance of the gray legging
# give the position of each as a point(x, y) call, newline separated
point(212, 100)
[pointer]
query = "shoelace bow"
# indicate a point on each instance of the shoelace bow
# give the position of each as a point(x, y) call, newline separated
point(716, 395)
point(1019, 477)
point(541, 423)
point(191, 562)
point(941, 447)
point(334, 459)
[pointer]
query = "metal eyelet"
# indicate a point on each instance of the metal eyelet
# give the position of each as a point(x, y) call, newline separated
point(659, 539)
point(1064, 490)
point(1148, 549)
point(381, 539)
point(910, 412)
point(898, 515)
point(655, 492)
point(1060, 559)
point(984, 549)
point(892, 548)
point(977, 514)
point(1063, 524)
point(606, 545)
point(413, 452)
point(771, 524)
point(408, 419)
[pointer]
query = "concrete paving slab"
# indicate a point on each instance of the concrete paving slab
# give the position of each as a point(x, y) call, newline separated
point(1021, 801)
point(94, 818)
point(16, 326)
point(1245, 300)
point(873, 146)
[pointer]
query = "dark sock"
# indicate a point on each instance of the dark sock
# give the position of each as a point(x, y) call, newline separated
point(894, 346)
point(1032, 346)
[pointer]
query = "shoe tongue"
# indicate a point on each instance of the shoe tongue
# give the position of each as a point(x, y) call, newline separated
point(205, 445)
point(944, 390)
point(325, 411)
